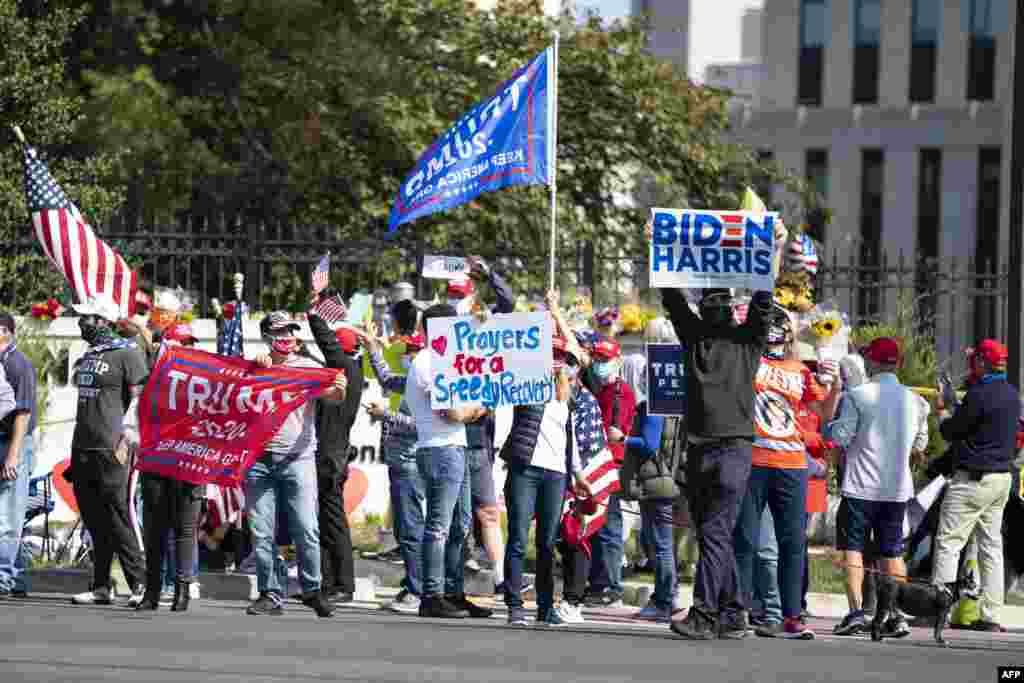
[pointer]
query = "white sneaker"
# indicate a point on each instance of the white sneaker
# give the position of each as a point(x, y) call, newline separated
point(166, 597)
point(100, 596)
point(570, 614)
point(136, 597)
point(404, 603)
point(193, 590)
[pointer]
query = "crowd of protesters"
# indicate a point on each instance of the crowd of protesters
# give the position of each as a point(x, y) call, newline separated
point(742, 472)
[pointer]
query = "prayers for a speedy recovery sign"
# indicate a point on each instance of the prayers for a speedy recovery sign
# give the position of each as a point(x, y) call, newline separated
point(505, 360)
point(691, 248)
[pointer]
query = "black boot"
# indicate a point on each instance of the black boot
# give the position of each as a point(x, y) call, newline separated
point(150, 602)
point(182, 595)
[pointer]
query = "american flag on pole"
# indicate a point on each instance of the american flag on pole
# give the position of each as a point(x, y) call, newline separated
point(88, 263)
point(802, 257)
point(331, 309)
point(322, 274)
point(600, 469)
point(229, 339)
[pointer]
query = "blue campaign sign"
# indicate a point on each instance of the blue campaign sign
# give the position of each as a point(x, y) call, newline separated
point(506, 140)
point(666, 379)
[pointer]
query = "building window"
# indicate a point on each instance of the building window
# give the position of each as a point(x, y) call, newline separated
point(929, 196)
point(814, 32)
point(986, 257)
point(924, 41)
point(871, 196)
point(763, 182)
point(981, 51)
point(867, 38)
point(816, 174)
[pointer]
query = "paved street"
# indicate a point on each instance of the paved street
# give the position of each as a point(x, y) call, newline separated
point(45, 639)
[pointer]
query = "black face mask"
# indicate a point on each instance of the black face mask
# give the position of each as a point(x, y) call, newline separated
point(90, 331)
point(717, 315)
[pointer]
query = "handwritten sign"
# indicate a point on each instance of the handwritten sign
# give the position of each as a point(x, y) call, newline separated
point(504, 361)
point(704, 249)
point(445, 267)
point(205, 418)
point(666, 380)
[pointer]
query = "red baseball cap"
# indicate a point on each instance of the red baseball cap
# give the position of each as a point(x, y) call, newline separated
point(181, 333)
point(994, 353)
point(606, 350)
point(461, 288)
point(414, 343)
point(884, 350)
point(347, 338)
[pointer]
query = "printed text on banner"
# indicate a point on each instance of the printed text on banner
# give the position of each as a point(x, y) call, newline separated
point(704, 249)
point(666, 379)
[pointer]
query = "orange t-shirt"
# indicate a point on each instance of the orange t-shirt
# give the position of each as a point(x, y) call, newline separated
point(817, 489)
point(779, 388)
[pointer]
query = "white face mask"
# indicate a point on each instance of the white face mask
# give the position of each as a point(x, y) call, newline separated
point(462, 306)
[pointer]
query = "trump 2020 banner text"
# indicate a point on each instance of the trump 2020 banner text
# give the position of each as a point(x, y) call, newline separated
point(504, 361)
point(666, 380)
point(205, 418)
point(505, 140)
point(703, 249)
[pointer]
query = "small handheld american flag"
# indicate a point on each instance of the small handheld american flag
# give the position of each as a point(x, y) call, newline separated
point(322, 274)
point(331, 309)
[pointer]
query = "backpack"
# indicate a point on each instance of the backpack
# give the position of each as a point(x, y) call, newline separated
point(662, 476)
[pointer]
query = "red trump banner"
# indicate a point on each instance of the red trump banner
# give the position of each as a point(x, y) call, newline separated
point(205, 418)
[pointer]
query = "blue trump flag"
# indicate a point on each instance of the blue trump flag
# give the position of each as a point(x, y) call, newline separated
point(666, 379)
point(504, 141)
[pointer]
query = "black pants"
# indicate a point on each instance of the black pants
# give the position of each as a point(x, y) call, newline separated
point(101, 489)
point(717, 477)
point(169, 504)
point(337, 565)
point(575, 570)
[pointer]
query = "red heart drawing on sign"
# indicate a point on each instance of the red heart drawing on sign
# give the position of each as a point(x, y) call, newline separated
point(440, 344)
point(356, 487)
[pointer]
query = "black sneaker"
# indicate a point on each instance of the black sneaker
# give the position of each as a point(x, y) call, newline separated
point(340, 597)
point(696, 626)
point(317, 603)
point(474, 611)
point(607, 599)
point(734, 626)
point(852, 624)
point(896, 627)
point(267, 603)
point(436, 607)
point(769, 629)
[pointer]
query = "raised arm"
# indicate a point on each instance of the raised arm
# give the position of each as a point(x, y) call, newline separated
point(326, 341)
point(562, 329)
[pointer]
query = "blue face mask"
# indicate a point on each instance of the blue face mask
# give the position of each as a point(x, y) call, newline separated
point(604, 372)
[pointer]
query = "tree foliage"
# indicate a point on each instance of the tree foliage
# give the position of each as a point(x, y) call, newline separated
point(312, 112)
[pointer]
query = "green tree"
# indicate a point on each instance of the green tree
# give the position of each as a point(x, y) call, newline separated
point(38, 96)
point(312, 112)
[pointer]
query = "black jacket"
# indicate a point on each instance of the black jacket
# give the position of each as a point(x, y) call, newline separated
point(721, 364)
point(522, 438)
point(983, 428)
point(480, 434)
point(335, 420)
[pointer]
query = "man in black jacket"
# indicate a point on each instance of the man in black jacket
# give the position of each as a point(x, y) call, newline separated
point(983, 431)
point(721, 359)
point(334, 424)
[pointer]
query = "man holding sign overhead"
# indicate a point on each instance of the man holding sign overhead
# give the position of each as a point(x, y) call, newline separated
point(706, 249)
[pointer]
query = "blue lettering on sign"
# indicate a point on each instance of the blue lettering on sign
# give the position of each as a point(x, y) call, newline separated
point(490, 342)
point(707, 230)
point(493, 392)
point(764, 231)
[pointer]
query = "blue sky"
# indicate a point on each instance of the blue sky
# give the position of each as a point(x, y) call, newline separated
point(714, 27)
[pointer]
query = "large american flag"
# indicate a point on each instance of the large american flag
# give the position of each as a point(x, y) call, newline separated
point(599, 468)
point(88, 263)
point(224, 507)
point(322, 274)
point(802, 257)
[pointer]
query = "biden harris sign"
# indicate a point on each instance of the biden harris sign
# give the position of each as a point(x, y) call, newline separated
point(704, 249)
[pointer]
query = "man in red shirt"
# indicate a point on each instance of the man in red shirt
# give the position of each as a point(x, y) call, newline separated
point(618, 406)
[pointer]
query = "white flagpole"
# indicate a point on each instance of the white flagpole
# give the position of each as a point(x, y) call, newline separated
point(553, 154)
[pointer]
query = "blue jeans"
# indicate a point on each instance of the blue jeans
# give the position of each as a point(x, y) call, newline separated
point(606, 562)
point(530, 490)
point(767, 603)
point(657, 519)
point(407, 502)
point(292, 485)
point(785, 494)
point(446, 487)
point(13, 503)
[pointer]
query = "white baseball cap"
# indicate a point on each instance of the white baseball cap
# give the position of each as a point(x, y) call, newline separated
point(101, 305)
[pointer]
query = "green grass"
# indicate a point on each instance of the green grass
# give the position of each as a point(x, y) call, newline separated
point(825, 577)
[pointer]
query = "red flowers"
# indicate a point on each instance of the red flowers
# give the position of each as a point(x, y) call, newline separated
point(50, 310)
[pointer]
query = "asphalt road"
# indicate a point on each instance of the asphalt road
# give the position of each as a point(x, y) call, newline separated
point(45, 639)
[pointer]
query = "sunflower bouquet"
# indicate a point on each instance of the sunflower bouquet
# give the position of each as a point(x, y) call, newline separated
point(826, 328)
point(793, 292)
